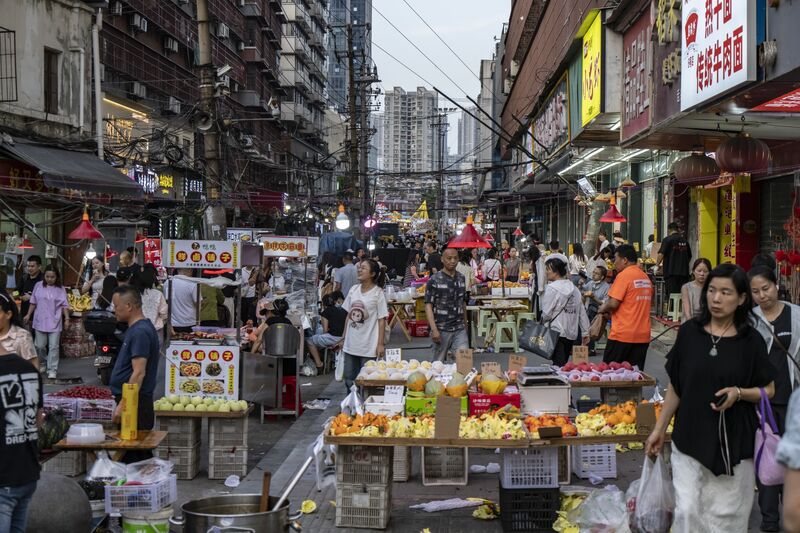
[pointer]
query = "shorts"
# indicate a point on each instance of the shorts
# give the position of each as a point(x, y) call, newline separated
point(324, 340)
point(634, 353)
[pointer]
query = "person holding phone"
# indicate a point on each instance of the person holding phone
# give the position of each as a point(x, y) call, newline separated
point(717, 368)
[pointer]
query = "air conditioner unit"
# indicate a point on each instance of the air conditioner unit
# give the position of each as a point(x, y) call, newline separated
point(170, 45)
point(240, 46)
point(138, 90)
point(241, 3)
point(247, 141)
point(138, 22)
point(514, 70)
point(223, 32)
point(173, 106)
point(116, 9)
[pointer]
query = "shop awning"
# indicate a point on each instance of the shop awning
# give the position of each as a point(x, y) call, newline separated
point(70, 169)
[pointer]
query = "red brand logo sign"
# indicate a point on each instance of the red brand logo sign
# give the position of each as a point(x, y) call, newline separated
point(197, 257)
point(225, 257)
point(211, 257)
point(181, 256)
point(690, 31)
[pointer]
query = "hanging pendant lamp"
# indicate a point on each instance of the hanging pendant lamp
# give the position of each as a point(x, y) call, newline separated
point(613, 214)
point(518, 232)
point(25, 244)
point(85, 230)
point(139, 238)
point(468, 238)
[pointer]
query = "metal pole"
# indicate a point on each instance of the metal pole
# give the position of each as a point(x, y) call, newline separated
point(355, 190)
point(98, 93)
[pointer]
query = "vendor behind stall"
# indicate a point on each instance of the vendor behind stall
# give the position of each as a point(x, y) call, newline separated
point(137, 361)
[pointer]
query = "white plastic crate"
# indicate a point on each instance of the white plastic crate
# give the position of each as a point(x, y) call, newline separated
point(141, 498)
point(532, 468)
point(597, 459)
point(68, 405)
point(564, 465)
point(224, 462)
point(227, 432)
point(186, 460)
point(363, 506)
point(66, 463)
point(96, 410)
point(401, 463)
point(366, 465)
point(376, 405)
point(181, 431)
point(445, 466)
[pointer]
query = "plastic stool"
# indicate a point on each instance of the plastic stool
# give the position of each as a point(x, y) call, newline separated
point(675, 310)
point(490, 329)
point(510, 328)
point(522, 317)
point(484, 316)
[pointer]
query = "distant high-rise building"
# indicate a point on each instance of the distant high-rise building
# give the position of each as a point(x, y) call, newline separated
point(468, 135)
point(359, 14)
point(410, 144)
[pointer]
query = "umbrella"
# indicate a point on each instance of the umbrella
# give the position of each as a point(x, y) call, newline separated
point(469, 238)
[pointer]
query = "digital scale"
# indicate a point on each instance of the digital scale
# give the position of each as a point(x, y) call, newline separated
point(542, 375)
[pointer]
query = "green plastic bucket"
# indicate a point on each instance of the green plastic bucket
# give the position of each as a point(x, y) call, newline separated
point(157, 522)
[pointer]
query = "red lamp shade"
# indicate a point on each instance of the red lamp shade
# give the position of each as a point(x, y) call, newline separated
point(469, 238)
point(488, 237)
point(85, 230)
point(25, 244)
point(613, 214)
point(139, 238)
point(696, 169)
point(743, 155)
point(517, 232)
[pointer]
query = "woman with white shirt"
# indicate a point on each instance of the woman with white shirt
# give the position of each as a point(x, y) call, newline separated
point(94, 285)
point(563, 310)
point(577, 263)
point(154, 304)
point(491, 266)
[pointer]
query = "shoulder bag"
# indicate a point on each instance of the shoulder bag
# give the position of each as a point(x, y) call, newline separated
point(768, 470)
point(540, 338)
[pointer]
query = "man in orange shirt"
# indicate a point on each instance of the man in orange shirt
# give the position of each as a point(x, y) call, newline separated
point(628, 308)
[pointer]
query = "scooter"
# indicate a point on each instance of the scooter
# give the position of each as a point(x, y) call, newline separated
point(108, 340)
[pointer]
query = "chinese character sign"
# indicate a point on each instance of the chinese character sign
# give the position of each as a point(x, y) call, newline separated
point(201, 254)
point(592, 70)
point(637, 56)
point(727, 225)
point(719, 48)
point(551, 126)
point(207, 370)
point(275, 246)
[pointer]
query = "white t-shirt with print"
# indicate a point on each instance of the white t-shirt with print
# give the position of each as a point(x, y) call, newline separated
point(364, 310)
point(184, 302)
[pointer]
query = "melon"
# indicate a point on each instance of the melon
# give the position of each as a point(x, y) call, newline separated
point(434, 388)
point(416, 382)
point(456, 387)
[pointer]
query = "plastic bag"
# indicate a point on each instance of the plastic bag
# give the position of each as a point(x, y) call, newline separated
point(339, 372)
point(603, 511)
point(149, 471)
point(654, 506)
point(104, 469)
point(325, 468)
point(352, 404)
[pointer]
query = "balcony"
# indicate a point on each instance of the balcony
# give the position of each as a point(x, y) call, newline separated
point(269, 33)
point(295, 45)
point(249, 99)
point(252, 9)
point(251, 55)
point(295, 78)
point(297, 13)
point(320, 13)
point(317, 41)
point(294, 112)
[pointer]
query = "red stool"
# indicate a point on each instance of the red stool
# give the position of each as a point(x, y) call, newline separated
point(288, 392)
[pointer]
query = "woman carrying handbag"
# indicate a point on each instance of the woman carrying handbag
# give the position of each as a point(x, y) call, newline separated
point(563, 310)
point(779, 325)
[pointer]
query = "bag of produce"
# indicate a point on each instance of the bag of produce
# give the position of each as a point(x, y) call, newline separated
point(53, 429)
point(148, 471)
point(352, 404)
point(104, 469)
point(652, 508)
point(339, 372)
point(603, 511)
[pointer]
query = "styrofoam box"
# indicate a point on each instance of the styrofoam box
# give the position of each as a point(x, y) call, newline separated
point(511, 291)
point(545, 399)
point(376, 405)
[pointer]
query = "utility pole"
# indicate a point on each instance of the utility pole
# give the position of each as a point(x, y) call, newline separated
point(367, 77)
point(441, 126)
point(351, 105)
point(214, 217)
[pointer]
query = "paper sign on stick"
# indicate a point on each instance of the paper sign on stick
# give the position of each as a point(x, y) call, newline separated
point(492, 367)
point(464, 361)
point(448, 417)
point(517, 362)
point(645, 418)
point(580, 354)
point(393, 355)
point(393, 394)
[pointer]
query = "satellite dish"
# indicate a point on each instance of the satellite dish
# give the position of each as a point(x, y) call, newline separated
point(203, 121)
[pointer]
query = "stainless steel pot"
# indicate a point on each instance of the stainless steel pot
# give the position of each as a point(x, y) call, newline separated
point(235, 513)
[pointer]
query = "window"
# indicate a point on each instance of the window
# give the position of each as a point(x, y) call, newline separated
point(51, 81)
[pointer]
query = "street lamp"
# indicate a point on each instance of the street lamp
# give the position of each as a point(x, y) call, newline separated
point(342, 221)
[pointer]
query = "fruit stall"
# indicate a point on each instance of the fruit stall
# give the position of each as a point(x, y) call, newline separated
point(526, 413)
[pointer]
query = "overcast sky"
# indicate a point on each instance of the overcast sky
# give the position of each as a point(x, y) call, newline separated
point(468, 26)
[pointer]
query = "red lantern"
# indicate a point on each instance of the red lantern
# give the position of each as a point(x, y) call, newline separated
point(743, 155)
point(85, 230)
point(696, 169)
point(786, 270)
point(794, 258)
point(781, 256)
point(468, 238)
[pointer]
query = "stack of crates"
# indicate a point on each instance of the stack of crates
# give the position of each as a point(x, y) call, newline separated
point(594, 459)
point(529, 488)
point(182, 444)
point(227, 447)
point(363, 486)
point(445, 466)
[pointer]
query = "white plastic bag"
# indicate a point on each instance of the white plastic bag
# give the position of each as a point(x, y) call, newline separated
point(105, 469)
point(352, 404)
point(339, 372)
point(325, 470)
point(603, 511)
point(654, 506)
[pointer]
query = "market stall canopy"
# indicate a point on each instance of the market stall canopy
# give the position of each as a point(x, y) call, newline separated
point(422, 211)
point(468, 238)
point(70, 169)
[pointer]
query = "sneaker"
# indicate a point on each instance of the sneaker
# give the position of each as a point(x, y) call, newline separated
point(770, 526)
point(51, 375)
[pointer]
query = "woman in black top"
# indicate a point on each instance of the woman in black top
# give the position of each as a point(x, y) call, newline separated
point(716, 368)
point(779, 325)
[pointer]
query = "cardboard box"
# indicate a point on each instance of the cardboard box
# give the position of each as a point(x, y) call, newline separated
point(480, 403)
point(416, 406)
point(417, 328)
point(544, 399)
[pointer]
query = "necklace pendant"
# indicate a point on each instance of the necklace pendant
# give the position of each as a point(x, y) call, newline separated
point(713, 351)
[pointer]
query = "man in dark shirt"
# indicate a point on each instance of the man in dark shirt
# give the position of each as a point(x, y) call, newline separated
point(333, 320)
point(20, 413)
point(138, 358)
point(33, 276)
point(675, 255)
point(445, 306)
point(433, 261)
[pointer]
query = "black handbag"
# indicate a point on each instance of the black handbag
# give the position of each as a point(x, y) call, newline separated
point(540, 338)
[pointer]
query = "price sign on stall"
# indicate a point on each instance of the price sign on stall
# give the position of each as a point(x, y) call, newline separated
point(393, 394)
point(491, 367)
point(393, 355)
point(580, 354)
point(464, 361)
point(516, 362)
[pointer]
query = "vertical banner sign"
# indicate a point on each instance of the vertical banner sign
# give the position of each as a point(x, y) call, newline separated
point(551, 126)
point(202, 371)
point(592, 70)
point(727, 225)
point(637, 81)
point(719, 48)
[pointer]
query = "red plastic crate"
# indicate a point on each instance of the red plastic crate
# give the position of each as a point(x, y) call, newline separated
point(417, 328)
point(480, 403)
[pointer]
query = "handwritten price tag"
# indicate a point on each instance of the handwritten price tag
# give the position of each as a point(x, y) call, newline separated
point(580, 354)
point(393, 394)
point(393, 355)
point(517, 362)
point(492, 367)
point(464, 361)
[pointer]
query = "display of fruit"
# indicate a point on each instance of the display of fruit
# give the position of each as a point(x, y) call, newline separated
point(533, 423)
point(434, 388)
point(87, 392)
point(612, 419)
point(367, 425)
point(456, 387)
point(199, 404)
point(601, 372)
point(401, 370)
point(78, 304)
point(508, 284)
point(416, 382)
point(421, 289)
point(569, 502)
point(489, 426)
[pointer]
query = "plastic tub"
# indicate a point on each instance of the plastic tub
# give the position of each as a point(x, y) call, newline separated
point(157, 522)
point(85, 434)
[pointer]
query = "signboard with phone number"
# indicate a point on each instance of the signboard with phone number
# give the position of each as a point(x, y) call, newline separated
point(201, 254)
point(203, 371)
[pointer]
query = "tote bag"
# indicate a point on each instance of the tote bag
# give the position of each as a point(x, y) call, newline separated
point(540, 338)
point(768, 470)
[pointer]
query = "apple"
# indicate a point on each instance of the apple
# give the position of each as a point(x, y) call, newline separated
point(615, 366)
point(626, 365)
point(595, 378)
